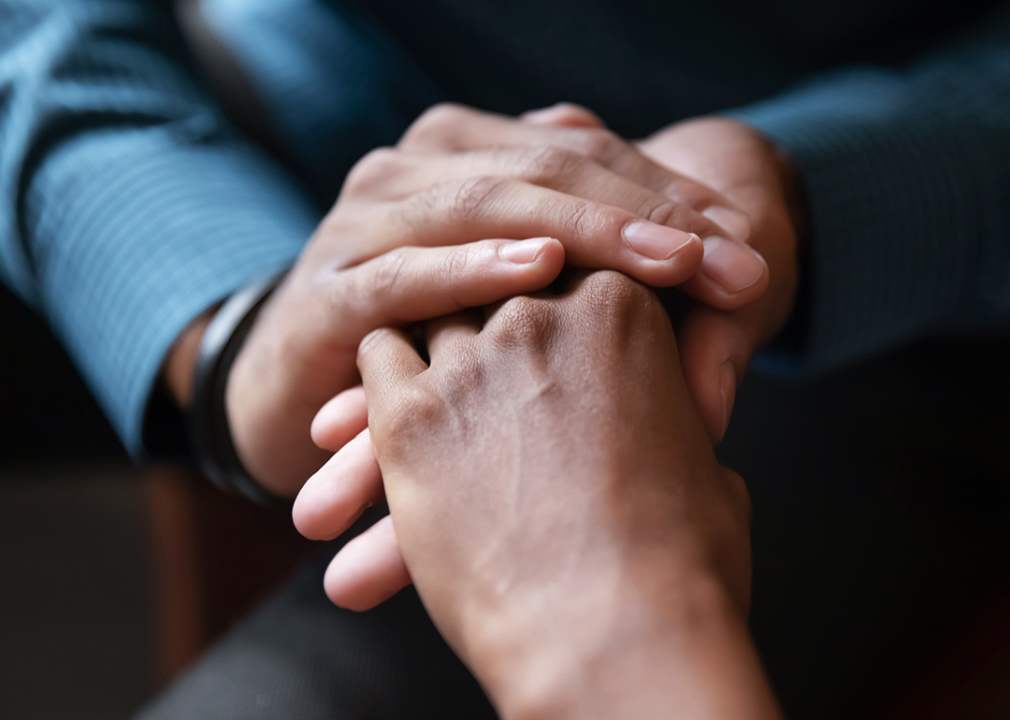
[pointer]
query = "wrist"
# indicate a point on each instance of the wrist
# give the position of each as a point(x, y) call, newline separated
point(270, 398)
point(641, 647)
point(180, 362)
point(208, 421)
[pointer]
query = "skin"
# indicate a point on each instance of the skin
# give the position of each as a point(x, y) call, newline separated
point(579, 547)
point(719, 343)
point(716, 344)
point(666, 578)
point(441, 187)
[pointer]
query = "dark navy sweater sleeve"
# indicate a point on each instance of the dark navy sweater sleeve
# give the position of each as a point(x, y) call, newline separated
point(907, 173)
point(127, 207)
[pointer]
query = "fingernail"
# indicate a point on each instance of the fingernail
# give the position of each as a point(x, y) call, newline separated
point(657, 242)
point(733, 266)
point(736, 224)
point(727, 387)
point(522, 252)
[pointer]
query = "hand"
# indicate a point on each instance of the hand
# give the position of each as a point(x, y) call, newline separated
point(301, 350)
point(749, 191)
point(372, 569)
point(566, 146)
point(716, 346)
point(567, 136)
point(560, 508)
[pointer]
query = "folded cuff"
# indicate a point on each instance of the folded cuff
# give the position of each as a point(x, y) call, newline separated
point(151, 233)
point(903, 223)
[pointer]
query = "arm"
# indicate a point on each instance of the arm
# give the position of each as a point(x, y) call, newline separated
point(907, 172)
point(891, 187)
point(561, 510)
point(301, 350)
point(127, 207)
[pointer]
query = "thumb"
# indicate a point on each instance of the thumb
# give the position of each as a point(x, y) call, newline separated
point(410, 284)
point(715, 348)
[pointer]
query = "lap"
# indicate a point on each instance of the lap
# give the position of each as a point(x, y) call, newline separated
point(299, 658)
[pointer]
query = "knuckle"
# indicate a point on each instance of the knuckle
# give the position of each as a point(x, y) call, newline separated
point(376, 167)
point(581, 222)
point(411, 415)
point(462, 261)
point(579, 112)
point(524, 322)
point(601, 145)
point(444, 113)
point(548, 164)
point(691, 193)
point(615, 297)
point(661, 211)
point(474, 196)
point(455, 266)
point(384, 281)
point(461, 380)
point(674, 214)
point(435, 123)
point(428, 209)
point(687, 191)
point(416, 212)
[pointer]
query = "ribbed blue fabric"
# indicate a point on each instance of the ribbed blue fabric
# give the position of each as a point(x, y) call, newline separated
point(908, 178)
point(126, 207)
point(331, 83)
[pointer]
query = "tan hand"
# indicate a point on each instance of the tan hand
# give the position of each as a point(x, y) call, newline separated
point(570, 137)
point(300, 352)
point(555, 494)
point(567, 147)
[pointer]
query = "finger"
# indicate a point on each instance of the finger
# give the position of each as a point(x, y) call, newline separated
point(409, 284)
point(456, 128)
point(368, 570)
point(387, 356)
point(449, 335)
point(550, 167)
point(733, 274)
point(348, 484)
point(594, 235)
point(736, 224)
point(340, 419)
point(563, 115)
point(715, 348)
point(405, 174)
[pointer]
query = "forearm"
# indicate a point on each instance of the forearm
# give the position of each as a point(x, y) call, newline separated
point(127, 208)
point(907, 173)
point(637, 649)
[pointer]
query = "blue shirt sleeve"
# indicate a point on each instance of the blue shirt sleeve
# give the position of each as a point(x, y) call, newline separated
point(907, 172)
point(127, 206)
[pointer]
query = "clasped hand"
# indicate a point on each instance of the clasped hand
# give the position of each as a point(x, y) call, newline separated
point(541, 177)
point(408, 240)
